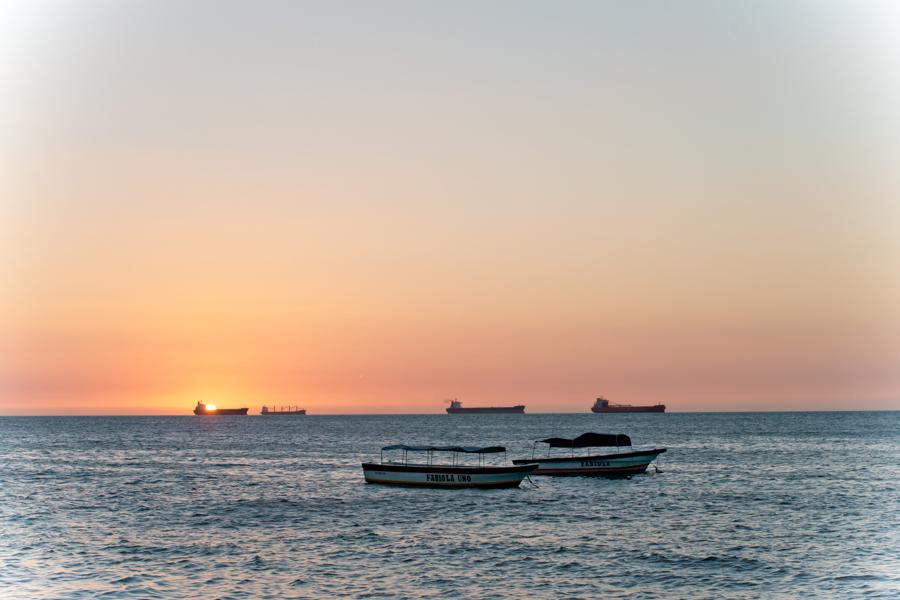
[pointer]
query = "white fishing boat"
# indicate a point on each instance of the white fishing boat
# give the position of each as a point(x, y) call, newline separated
point(623, 462)
point(455, 475)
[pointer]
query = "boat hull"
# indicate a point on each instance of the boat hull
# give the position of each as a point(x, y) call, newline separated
point(621, 464)
point(433, 476)
point(487, 410)
point(283, 412)
point(658, 408)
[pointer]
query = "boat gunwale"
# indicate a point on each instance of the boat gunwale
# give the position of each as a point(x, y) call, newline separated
point(462, 470)
point(524, 461)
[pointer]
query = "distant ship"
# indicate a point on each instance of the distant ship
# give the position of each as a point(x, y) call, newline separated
point(602, 405)
point(457, 408)
point(211, 409)
point(290, 410)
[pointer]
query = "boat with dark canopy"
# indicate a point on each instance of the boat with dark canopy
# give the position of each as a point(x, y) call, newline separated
point(458, 474)
point(618, 464)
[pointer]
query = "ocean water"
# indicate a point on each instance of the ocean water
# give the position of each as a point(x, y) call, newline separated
point(746, 506)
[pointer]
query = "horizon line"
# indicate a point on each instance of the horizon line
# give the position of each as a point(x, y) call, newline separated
point(709, 412)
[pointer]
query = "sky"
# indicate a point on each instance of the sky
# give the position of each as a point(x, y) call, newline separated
point(363, 207)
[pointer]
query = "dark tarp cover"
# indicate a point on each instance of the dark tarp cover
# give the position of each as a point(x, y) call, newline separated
point(589, 440)
point(466, 449)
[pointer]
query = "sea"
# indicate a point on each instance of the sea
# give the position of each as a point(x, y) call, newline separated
point(743, 505)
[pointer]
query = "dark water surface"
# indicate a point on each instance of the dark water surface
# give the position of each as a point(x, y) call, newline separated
point(747, 506)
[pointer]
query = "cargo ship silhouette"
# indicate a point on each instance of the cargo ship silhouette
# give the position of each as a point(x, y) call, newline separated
point(456, 407)
point(602, 405)
point(290, 410)
point(211, 409)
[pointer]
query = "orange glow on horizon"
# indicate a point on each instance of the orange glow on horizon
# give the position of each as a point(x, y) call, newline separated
point(494, 222)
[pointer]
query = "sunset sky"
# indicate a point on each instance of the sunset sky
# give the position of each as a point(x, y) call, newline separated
point(372, 207)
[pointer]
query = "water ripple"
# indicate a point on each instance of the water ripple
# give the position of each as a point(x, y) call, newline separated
point(746, 506)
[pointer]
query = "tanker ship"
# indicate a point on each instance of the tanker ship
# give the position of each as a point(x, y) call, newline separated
point(602, 405)
point(290, 410)
point(456, 407)
point(211, 409)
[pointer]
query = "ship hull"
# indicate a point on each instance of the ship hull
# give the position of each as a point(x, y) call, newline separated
point(659, 408)
point(446, 477)
point(222, 411)
point(488, 410)
point(284, 412)
point(599, 465)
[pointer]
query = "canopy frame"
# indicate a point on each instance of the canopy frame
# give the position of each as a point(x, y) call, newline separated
point(455, 451)
point(585, 440)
